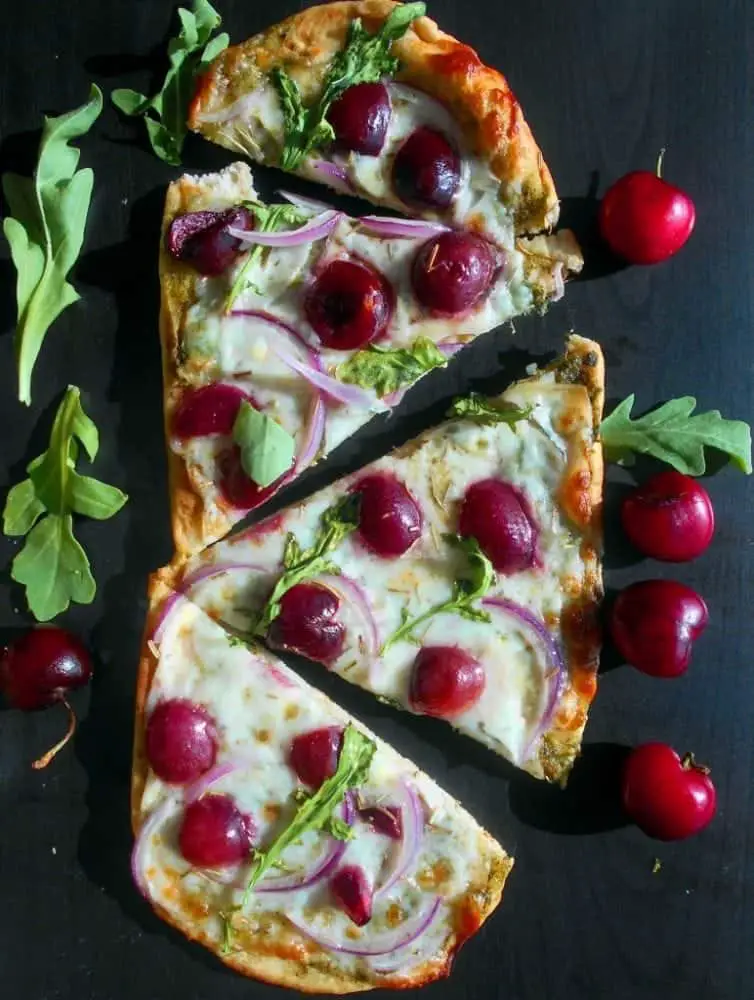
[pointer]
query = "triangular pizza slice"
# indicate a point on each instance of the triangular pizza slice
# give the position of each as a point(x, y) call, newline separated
point(286, 327)
point(281, 833)
point(458, 577)
point(372, 98)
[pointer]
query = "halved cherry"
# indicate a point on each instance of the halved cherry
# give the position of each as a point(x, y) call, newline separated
point(390, 519)
point(236, 489)
point(209, 409)
point(360, 118)
point(453, 272)
point(202, 240)
point(426, 170)
point(349, 305)
point(308, 623)
point(499, 516)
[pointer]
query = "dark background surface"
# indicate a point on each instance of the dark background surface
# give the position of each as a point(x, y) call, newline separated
point(604, 85)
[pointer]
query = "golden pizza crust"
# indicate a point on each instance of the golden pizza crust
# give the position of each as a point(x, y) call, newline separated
point(580, 382)
point(298, 967)
point(477, 96)
point(194, 525)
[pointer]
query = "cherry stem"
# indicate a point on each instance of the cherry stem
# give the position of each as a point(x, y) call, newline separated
point(660, 158)
point(688, 762)
point(45, 759)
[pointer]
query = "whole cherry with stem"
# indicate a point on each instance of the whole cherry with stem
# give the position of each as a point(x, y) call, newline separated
point(39, 669)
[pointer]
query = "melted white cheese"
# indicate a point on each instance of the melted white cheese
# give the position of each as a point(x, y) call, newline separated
point(259, 706)
point(531, 456)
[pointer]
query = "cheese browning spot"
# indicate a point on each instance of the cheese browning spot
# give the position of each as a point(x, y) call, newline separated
point(394, 916)
point(262, 735)
point(272, 812)
point(434, 876)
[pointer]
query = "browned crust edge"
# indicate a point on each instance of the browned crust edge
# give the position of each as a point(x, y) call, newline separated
point(583, 364)
point(477, 95)
point(275, 969)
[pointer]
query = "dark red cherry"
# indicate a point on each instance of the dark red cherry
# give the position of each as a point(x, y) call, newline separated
point(236, 489)
point(308, 623)
point(40, 668)
point(214, 832)
point(390, 520)
point(202, 240)
point(353, 893)
point(426, 170)
point(349, 305)
point(670, 517)
point(360, 118)
point(210, 409)
point(181, 741)
point(384, 819)
point(498, 515)
point(453, 272)
point(654, 624)
point(445, 681)
point(314, 755)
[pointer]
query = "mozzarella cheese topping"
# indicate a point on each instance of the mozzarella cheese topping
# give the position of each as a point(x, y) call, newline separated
point(258, 707)
point(521, 680)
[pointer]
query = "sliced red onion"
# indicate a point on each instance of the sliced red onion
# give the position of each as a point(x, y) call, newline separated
point(313, 433)
point(415, 229)
point(280, 324)
point(217, 569)
point(173, 605)
point(412, 824)
point(349, 589)
point(200, 786)
point(353, 395)
point(334, 174)
point(305, 204)
point(377, 944)
point(556, 676)
point(315, 229)
point(148, 829)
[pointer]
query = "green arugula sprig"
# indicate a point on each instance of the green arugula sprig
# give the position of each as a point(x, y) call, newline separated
point(189, 54)
point(45, 231)
point(387, 369)
point(472, 587)
point(364, 59)
point(267, 449)
point(52, 565)
point(299, 564)
point(671, 434)
point(484, 411)
point(315, 812)
point(269, 218)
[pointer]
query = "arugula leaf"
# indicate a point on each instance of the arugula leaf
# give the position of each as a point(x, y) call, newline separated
point(189, 54)
point(266, 449)
point(671, 434)
point(481, 410)
point(472, 587)
point(364, 59)
point(387, 369)
point(300, 564)
point(45, 231)
point(52, 565)
point(269, 218)
point(315, 812)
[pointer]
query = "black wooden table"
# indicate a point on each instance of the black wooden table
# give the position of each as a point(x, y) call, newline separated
point(604, 85)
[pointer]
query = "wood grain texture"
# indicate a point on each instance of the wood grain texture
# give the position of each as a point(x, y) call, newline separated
point(604, 86)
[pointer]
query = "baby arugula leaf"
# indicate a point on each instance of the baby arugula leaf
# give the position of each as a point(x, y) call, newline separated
point(189, 54)
point(365, 58)
point(299, 564)
point(45, 231)
point(268, 219)
point(387, 369)
point(481, 410)
point(266, 449)
point(52, 564)
point(672, 434)
point(471, 587)
point(315, 812)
